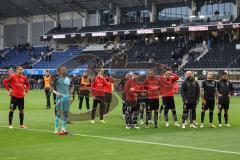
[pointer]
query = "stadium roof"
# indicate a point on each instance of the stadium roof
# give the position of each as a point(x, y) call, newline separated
point(21, 8)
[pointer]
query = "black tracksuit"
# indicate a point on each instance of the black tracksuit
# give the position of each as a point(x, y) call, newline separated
point(190, 91)
point(76, 86)
point(225, 88)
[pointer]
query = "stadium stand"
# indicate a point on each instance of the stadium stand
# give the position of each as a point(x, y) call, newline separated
point(101, 54)
point(135, 25)
point(59, 30)
point(167, 23)
point(58, 58)
point(22, 56)
point(223, 54)
point(160, 51)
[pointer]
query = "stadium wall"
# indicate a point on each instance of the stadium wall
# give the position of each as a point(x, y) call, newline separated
point(16, 30)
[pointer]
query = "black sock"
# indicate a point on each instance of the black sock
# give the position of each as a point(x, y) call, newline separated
point(202, 117)
point(107, 108)
point(161, 109)
point(123, 108)
point(211, 116)
point(21, 117)
point(194, 115)
point(147, 116)
point(226, 118)
point(174, 114)
point(80, 103)
point(93, 113)
point(150, 115)
point(131, 116)
point(102, 110)
point(191, 116)
point(155, 117)
point(185, 116)
point(135, 118)
point(141, 114)
point(166, 114)
point(10, 117)
point(127, 117)
point(220, 118)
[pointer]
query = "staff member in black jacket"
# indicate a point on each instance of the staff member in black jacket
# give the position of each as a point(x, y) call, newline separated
point(225, 90)
point(75, 81)
point(190, 92)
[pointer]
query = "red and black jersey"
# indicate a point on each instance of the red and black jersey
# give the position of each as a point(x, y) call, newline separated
point(151, 84)
point(167, 85)
point(98, 86)
point(18, 83)
point(132, 88)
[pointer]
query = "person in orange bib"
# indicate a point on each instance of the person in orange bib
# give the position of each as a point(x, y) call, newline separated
point(47, 80)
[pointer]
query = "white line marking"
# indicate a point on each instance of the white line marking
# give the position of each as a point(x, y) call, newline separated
point(137, 141)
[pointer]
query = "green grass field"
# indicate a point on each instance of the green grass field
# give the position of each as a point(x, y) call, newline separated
point(112, 140)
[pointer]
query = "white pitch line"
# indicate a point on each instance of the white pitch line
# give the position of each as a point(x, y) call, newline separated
point(137, 141)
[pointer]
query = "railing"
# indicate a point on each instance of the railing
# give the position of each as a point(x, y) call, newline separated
point(41, 58)
point(238, 57)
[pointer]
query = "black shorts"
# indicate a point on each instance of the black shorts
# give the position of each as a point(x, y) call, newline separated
point(223, 103)
point(152, 104)
point(108, 97)
point(209, 105)
point(142, 101)
point(17, 102)
point(168, 102)
point(133, 106)
point(123, 96)
point(187, 106)
point(83, 93)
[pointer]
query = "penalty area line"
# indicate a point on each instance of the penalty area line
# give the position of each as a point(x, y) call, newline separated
point(136, 141)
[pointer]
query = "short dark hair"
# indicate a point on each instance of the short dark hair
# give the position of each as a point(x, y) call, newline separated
point(224, 73)
point(59, 69)
point(136, 73)
point(18, 67)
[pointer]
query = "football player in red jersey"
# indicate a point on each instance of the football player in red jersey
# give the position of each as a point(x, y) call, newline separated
point(151, 84)
point(132, 88)
point(108, 94)
point(168, 80)
point(122, 83)
point(98, 87)
point(18, 86)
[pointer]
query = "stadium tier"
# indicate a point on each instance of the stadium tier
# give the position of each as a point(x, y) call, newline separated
point(104, 55)
point(159, 51)
point(58, 30)
point(21, 55)
point(58, 58)
point(135, 25)
point(167, 23)
point(221, 55)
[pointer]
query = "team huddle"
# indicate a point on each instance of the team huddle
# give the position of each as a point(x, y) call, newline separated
point(139, 96)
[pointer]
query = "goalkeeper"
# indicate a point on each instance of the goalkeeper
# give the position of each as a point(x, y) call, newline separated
point(64, 90)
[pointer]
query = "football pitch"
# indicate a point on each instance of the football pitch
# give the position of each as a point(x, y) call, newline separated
point(111, 140)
